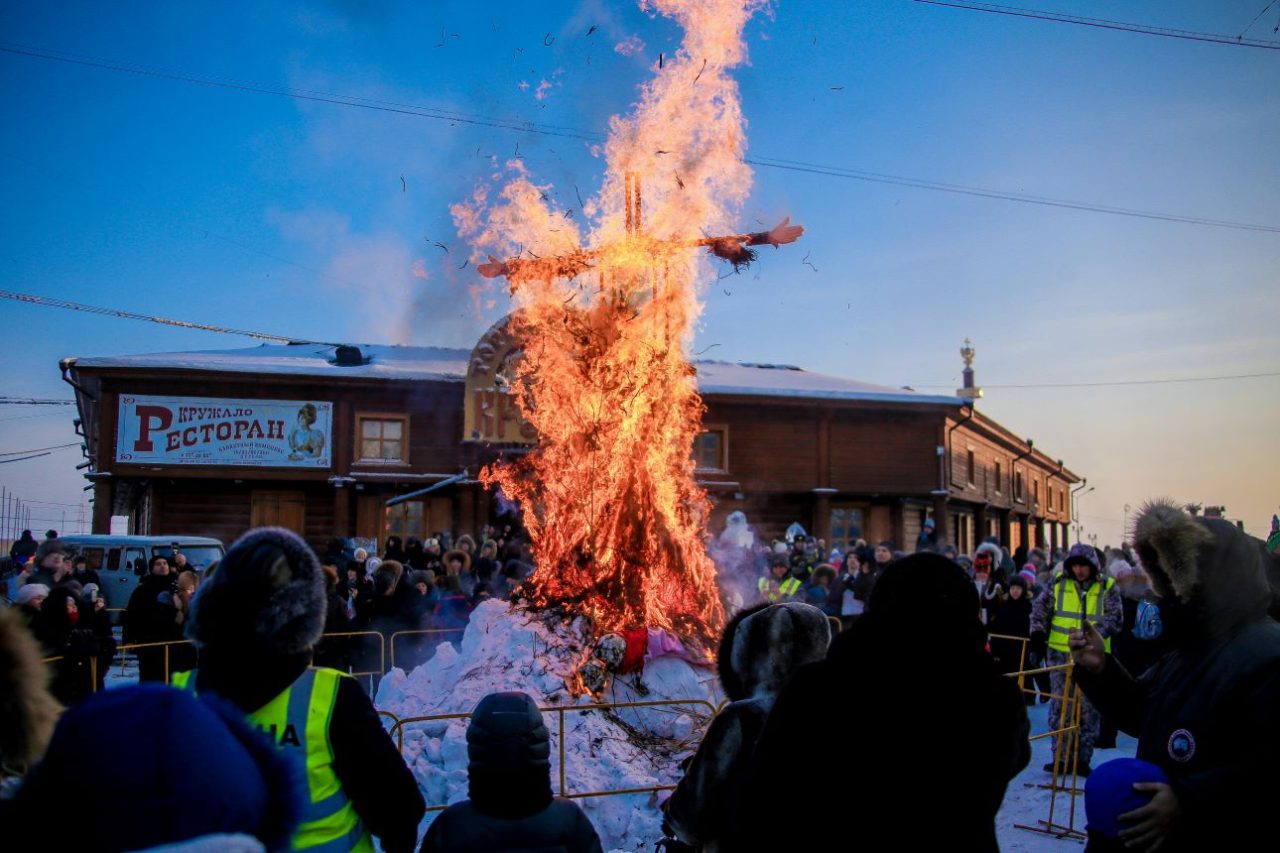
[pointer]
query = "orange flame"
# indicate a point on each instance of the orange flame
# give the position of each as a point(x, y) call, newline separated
point(613, 509)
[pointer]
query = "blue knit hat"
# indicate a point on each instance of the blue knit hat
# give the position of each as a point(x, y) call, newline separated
point(1108, 793)
point(148, 764)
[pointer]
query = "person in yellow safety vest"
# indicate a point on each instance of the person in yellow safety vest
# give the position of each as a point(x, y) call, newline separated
point(256, 620)
point(1079, 593)
point(778, 585)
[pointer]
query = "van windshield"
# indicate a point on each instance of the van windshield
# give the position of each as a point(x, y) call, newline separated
point(198, 556)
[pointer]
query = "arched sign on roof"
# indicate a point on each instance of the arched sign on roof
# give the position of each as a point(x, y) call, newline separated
point(491, 413)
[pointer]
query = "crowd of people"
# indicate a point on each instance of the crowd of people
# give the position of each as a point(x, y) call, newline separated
point(1174, 640)
point(415, 586)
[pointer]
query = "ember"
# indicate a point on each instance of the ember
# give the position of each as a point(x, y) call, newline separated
point(612, 506)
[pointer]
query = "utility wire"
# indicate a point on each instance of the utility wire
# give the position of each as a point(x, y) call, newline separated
point(1124, 382)
point(1257, 16)
point(521, 126)
point(852, 174)
point(34, 401)
point(38, 449)
point(25, 458)
point(1101, 23)
point(164, 321)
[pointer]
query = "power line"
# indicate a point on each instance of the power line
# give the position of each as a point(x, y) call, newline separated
point(1259, 15)
point(1122, 382)
point(522, 126)
point(1102, 23)
point(128, 315)
point(799, 166)
point(25, 458)
point(38, 449)
point(34, 401)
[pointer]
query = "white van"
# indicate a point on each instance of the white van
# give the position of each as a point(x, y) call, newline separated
point(121, 560)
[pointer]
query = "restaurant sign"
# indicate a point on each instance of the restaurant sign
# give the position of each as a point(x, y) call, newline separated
point(212, 431)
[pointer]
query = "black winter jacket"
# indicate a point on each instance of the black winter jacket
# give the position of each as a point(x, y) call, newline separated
point(1207, 716)
point(561, 827)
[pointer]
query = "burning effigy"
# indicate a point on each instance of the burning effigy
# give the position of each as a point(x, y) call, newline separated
point(623, 604)
point(604, 321)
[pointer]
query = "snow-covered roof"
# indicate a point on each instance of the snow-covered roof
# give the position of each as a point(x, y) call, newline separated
point(384, 361)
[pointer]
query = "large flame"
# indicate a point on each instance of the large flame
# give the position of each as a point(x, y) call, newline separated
point(612, 506)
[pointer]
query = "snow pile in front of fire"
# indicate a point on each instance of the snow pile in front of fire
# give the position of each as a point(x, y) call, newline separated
point(506, 648)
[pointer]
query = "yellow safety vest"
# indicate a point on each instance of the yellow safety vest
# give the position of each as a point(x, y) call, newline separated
point(786, 589)
point(299, 719)
point(1069, 614)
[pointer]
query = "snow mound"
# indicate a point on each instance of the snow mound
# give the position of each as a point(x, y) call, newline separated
point(510, 648)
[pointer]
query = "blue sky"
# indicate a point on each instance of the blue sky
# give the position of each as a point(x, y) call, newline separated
point(290, 216)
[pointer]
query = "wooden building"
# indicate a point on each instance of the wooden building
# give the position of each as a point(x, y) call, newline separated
point(319, 438)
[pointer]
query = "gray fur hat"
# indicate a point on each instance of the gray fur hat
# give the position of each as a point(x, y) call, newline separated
point(771, 643)
point(267, 594)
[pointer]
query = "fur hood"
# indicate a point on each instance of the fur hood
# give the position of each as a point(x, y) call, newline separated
point(997, 555)
point(266, 595)
point(27, 710)
point(769, 644)
point(1207, 564)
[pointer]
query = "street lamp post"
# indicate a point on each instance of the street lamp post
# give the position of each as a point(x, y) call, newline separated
point(1124, 532)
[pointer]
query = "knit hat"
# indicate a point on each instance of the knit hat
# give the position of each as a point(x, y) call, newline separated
point(1028, 574)
point(267, 595)
point(30, 591)
point(1108, 793)
point(163, 766)
point(1082, 553)
point(50, 546)
point(507, 732)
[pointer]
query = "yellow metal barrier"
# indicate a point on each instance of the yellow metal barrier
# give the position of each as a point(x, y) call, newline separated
point(1067, 754)
point(124, 647)
point(397, 731)
point(425, 631)
point(382, 653)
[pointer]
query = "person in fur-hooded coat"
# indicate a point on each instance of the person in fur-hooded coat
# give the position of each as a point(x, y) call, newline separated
point(759, 650)
point(867, 783)
point(1206, 712)
point(256, 621)
point(27, 708)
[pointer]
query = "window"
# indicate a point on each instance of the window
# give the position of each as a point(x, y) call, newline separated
point(971, 466)
point(1017, 485)
point(405, 520)
point(382, 438)
point(1035, 491)
point(999, 478)
point(710, 449)
point(846, 526)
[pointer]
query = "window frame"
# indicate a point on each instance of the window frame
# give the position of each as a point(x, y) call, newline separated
point(358, 457)
point(1019, 487)
point(998, 477)
point(723, 431)
point(971, 470)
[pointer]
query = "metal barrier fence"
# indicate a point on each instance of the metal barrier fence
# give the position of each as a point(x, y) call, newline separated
point(397, 731)
point(419, 633)
point(1066, 756)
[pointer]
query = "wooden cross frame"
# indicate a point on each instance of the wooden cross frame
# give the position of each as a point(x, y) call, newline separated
point(734, 248)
